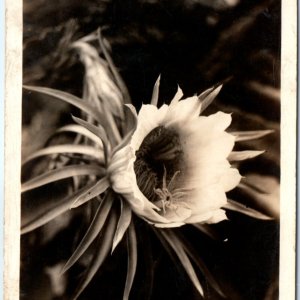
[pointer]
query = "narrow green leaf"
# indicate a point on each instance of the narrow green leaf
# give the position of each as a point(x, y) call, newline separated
point(59, 174)
point(124, 221)
point(238, 207)
point(250, 135)
point(130, 118)
point(72, 148)
point(112, 127)
point(98, 131)
point(69, 98)
point(155, 93)
point(208, 96)
point(178, 248)
point(82, 131)
point(124, 142)
point(242, 155)
point(132, 260)
point(92, 232)
point(200, 264)
point(102, 250)
point(40, 219)
point(165, 244)
point(129, 126)
point(97, 189)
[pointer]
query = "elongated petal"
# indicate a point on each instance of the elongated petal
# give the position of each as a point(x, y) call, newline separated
point(59, 174)
point(154, 99)
point(132, 260)
point(250, 135)
point(69, 98)
point(97, 189)
point(123, 223)
point(92, 232)
point(169, 224)
point(72, 148)
point(208, 96)
point(238, 207)
point(97, 130)
point(50, 212)
point(181, 254)
point(177, 96)
point(242, 155)
point(184, 110)
point(102, 250)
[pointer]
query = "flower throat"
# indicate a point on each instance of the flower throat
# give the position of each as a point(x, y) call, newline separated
point(160, 150)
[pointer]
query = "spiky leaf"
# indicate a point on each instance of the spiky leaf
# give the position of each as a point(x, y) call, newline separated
point(59, 174)
point(178, 248)
point(72, 148)
point(102, 250)
point(92, 232)
point(69, 98)
point(132, 260)
point(123, 223)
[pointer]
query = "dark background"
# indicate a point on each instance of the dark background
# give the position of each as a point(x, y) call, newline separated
point(195, 44)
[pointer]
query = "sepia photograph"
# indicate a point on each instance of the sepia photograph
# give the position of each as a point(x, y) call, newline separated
point(151, 150)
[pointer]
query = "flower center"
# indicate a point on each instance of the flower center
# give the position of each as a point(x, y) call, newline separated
point(159, 156)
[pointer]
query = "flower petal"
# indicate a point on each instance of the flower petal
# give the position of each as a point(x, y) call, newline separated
point(177, 215)
point(230, 179)
point(154, 99)
point(152, 118)
point(204, 165)
point(208, 96)
point(250, 135)
point(177, 96)
point(242, 155)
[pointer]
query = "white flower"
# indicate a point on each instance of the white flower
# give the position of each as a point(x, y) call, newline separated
point(175, 169)
point(168, 165)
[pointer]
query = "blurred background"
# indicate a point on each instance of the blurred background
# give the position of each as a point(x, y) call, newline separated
point(193, 43)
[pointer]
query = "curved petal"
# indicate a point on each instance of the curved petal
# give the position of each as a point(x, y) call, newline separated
point(152, 118)
point(230, 179)
point(205, 172)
